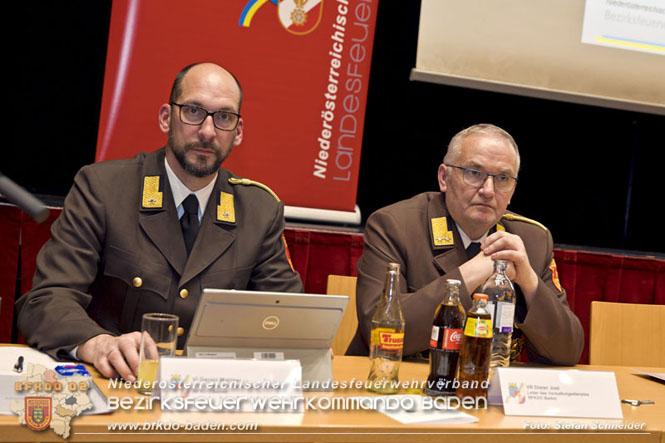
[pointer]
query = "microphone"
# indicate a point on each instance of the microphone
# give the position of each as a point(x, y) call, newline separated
point(23, 199)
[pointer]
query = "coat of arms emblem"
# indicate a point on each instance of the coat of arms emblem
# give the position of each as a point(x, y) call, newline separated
point(38, 412)
point(300, 16)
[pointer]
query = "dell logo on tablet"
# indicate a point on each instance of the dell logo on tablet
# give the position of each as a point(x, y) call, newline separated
point(270, 322)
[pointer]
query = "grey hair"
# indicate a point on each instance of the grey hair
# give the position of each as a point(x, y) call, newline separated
point(455, 145)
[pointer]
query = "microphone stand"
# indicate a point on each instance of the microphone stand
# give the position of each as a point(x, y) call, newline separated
point(23, 199)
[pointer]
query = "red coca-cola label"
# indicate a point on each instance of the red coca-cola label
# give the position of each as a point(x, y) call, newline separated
point(452, 338)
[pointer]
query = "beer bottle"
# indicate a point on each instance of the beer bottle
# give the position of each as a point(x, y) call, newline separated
point(501, 306)
point(445, 342)
point(387, 337)
point(475, 350)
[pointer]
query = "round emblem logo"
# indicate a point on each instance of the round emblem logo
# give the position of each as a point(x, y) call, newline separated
point(270, 322)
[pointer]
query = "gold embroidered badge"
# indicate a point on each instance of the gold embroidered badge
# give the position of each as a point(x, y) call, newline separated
point(152, 198)
point(441, 235)
point(500, 228)
point(555, 275)
point(288, 254)
point(225, 210)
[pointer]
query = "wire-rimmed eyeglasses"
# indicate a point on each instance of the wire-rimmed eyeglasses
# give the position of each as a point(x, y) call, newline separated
point(476, 178)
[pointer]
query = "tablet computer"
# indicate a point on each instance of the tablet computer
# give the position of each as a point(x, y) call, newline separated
point(267, 325)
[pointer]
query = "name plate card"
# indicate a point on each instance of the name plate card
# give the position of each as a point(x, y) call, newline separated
point(222, 385)
point(558, 393)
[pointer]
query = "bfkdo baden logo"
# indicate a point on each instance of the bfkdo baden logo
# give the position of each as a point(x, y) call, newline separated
point(298, 17)
point(50, 398)
point(38, 412)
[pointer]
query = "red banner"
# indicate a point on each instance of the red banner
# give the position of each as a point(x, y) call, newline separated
point(304, 67)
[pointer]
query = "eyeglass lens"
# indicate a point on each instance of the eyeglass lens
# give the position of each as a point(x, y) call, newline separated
point(195, 115)
point(502, 182)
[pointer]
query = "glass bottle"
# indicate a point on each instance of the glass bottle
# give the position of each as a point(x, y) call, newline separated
point(475, 350)
point(444, 345)
point(501, 306)
point(387, 337)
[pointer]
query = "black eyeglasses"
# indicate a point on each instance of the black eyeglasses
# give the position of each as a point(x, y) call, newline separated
point(196, 115)
point(476, 178)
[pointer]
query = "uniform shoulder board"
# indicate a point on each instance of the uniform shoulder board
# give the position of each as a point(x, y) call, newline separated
point(248, 182)
point(514, 217)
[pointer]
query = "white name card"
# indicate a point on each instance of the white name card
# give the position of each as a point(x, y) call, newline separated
point(558, 393)
point(223, 385)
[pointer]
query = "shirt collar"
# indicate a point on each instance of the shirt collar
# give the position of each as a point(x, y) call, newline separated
point(180, 191)
point(466, 240)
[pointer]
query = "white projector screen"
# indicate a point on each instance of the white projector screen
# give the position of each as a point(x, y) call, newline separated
point(534, 48)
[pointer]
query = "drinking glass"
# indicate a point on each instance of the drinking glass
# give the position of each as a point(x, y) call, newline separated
point(159, 335)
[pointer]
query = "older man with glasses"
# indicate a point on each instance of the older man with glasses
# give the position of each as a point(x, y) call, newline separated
point(147, 234)
point(456, 234)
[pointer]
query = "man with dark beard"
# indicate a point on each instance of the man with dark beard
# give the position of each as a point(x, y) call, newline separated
point(148, 233)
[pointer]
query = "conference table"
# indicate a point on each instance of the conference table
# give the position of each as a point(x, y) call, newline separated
point(366, 425)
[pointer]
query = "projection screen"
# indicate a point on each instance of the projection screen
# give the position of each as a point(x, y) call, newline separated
point(534, 48)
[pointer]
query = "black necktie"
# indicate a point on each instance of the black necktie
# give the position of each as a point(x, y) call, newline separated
point(473, 249)
point(189, 222)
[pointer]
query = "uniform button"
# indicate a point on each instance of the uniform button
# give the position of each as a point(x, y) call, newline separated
point(137, 282)
point(181, 331)
point(184, 294)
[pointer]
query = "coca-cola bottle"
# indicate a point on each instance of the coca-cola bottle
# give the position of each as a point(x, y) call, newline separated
point(475, 350)
point(387, 337)
point(501, 306)
point(445, 342)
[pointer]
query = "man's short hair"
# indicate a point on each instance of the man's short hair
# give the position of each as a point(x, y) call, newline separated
point(455, 145)
point(176, 89)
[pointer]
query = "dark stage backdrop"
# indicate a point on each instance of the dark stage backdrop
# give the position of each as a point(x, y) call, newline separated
point(592, 175)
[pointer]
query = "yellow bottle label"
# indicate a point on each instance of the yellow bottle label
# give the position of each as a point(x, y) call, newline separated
point(374, 339)
point(391, 341)
point(478, 327)
point(387, 338)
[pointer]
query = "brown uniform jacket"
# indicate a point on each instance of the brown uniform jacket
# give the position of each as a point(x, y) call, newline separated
point(401, 233)
point(111, 257)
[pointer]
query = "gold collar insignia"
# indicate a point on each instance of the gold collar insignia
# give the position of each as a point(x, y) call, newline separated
point(151, 195)
point(441, 235)
point(225, 209)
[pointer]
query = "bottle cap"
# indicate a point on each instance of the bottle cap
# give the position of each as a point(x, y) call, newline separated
point(480, 296)
point(453, 282)
point(393, 267)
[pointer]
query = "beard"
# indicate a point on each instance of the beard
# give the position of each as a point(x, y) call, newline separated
point(199, 167)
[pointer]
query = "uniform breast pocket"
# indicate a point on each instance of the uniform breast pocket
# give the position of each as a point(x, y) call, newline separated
point(146, 287)
point(236, 278)
point(136, 274)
